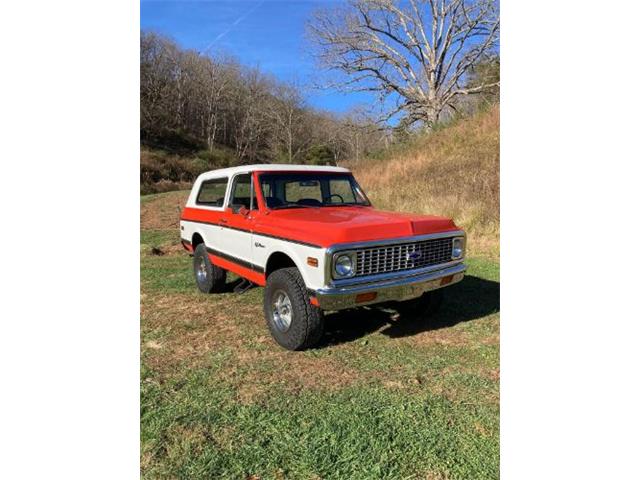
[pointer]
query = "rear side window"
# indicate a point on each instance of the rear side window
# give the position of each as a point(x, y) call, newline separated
point(212, 192)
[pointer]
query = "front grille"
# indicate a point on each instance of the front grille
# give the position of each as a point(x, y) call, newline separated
point(405, 256)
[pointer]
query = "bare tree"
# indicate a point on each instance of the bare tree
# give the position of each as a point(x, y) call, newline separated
point(360, 133)
point(249, 117)
point(287, 114)
point(331, 132)
point(415, 53)
point(156, 80)
point(213, 79)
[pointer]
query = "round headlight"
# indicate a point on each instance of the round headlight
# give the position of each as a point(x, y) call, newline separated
point(344, 265)
point(458, 248)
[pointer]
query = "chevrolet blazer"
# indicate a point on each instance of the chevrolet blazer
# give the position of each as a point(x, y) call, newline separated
point(311, 237)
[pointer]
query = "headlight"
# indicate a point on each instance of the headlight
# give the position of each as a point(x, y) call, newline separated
point(343, 265)
point(457, 248)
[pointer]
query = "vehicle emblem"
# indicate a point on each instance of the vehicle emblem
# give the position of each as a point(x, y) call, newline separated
point(413, 256)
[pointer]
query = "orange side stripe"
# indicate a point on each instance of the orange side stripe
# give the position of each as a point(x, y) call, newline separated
point(247, 273)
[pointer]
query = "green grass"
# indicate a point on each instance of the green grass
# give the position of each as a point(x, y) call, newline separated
point(146, 198)
point(201, 432)
point(158, 238)
point(382, 397)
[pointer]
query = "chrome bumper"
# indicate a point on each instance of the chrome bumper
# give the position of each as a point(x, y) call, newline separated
point(397, 289)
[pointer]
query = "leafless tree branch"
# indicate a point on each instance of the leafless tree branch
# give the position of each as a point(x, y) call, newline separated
point(421, 51)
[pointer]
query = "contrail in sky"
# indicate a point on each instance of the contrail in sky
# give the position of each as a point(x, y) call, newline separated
point(235, 22)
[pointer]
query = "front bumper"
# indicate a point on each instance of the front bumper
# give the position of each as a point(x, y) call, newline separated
point(396, 289)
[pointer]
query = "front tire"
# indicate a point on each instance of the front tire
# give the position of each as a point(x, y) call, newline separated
point(293, 322)
point(209, 277)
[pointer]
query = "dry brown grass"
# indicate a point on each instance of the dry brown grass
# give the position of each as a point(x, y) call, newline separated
point(187, 329)
point(162, 212)
point(453, 172)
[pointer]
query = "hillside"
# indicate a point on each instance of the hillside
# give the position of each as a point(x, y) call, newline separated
point(172, 161)
point(453, 172)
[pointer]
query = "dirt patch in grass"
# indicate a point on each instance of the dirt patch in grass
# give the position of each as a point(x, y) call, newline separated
point(444, 336)
point(172, 249)
point(189, 329)
point(162, 211)
point(293, 372)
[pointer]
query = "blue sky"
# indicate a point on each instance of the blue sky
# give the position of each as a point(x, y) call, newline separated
point(268, 34)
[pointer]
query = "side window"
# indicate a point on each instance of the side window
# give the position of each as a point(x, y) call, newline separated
point(242, 193)
point(212, 192)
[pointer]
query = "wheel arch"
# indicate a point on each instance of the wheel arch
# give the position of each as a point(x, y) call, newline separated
point(282, 254)
point(278, 260)
point(196, 239)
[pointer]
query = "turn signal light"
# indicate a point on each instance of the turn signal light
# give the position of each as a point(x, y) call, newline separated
point(312, 261)
point(366, 297)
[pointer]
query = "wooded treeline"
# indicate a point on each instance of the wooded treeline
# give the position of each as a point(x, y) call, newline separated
point(228, 113)
point(200, 112)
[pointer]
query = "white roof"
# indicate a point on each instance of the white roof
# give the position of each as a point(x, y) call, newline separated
point(269, 168)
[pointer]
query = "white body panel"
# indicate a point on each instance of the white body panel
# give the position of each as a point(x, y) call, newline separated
point(235, 243)
point(210, 233)
point(313, 276)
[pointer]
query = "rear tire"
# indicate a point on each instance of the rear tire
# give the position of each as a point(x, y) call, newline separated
point(293, 322)
point(427, 304)
point(209, 277)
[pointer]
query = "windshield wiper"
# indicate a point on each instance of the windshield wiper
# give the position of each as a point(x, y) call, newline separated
point(346, 205)
point(292, 205)
point(300, 205)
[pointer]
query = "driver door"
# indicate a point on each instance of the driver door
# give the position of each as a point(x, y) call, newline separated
point(237, 223)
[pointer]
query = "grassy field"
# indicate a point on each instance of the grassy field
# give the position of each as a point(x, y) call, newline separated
point(382, 397)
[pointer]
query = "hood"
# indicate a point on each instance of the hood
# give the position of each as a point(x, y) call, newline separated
point(329, 225)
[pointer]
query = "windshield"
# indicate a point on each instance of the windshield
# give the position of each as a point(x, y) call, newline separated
point(311, 189)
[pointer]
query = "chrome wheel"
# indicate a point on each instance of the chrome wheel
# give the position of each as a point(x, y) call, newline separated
point(282, 313)
point(201, 270)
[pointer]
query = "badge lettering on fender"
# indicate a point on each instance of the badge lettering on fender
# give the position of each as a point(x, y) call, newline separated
point(259, 245)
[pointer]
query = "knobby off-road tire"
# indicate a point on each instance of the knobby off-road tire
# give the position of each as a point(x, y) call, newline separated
point(209, 277)
point(427, 304)
point(304, 326)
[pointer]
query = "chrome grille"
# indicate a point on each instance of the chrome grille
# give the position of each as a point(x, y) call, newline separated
point(405, 256)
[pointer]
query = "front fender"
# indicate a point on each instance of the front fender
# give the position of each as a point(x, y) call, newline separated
point(313, 277)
